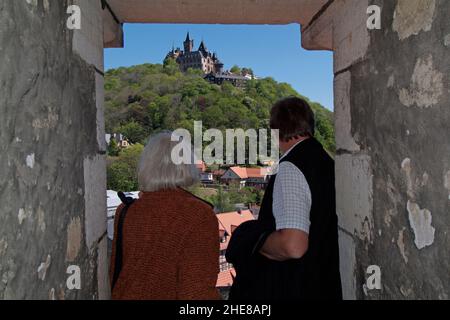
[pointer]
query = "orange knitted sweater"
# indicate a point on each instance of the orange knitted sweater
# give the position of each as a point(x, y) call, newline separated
point(170, 248)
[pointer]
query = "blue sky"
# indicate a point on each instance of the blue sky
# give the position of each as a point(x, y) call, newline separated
point(269, 50)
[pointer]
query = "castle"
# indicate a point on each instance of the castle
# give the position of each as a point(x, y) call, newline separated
point(206, 61)
point(201, 59)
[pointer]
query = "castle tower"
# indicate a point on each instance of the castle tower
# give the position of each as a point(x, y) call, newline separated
point(202, 48)
point(218, 66)
point(188, 44)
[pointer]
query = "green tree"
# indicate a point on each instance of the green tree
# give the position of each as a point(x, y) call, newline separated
point(235, 69)
point(221, 201)
point(247, 71)
point(170, 66)
point(121, 177)
point(113, 148)
point(122, 171)
point(133, 131)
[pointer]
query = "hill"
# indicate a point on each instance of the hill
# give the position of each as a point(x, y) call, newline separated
point(143, 99)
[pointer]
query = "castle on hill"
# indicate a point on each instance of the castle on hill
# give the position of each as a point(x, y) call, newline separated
point(201, 59)
point(206, 61)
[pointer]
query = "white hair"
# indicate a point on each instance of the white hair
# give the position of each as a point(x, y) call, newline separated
point(157, 171)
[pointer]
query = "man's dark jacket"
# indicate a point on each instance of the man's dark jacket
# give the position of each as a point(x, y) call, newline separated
point(316, 274)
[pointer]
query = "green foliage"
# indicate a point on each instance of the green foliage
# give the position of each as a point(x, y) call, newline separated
point(244, 195)
point(170, 66)
point(235, 69)
point(122, 170)
point(144, 99)
point(247, 71)
point(133, 131)
point(221, 201)
point(113, 148)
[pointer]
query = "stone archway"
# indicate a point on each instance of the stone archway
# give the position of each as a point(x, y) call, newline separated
point(391, 119)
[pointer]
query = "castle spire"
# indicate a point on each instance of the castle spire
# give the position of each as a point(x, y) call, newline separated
point(202, 47)
point(188, 43)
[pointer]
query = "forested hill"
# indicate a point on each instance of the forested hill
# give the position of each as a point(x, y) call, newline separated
point(143, 99)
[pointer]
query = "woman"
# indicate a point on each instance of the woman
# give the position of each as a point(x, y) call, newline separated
point(170, 242)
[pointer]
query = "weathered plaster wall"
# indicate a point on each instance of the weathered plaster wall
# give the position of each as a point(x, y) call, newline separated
point(392, 128)
point(400, 115)
point(392, 119)
point(392, 115)
point(52, 208)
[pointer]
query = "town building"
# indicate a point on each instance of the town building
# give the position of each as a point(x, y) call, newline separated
point(206, 177)
point(121, 141)
point(219, 78)
point(246, 177)
point(228, 222)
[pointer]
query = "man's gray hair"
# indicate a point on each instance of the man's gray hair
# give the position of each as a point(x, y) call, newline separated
point(157, 171)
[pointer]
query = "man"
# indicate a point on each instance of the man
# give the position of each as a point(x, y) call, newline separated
point(291, 252)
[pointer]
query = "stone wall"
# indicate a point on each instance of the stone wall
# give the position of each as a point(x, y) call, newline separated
point(400, 116)
point(392, 120)
point(52, 165)
point(392, 116)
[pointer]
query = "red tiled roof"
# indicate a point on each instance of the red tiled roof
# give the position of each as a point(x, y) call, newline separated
point(228, 221)
point(240, 172)
point(244, 173)
point(256, 172)
point(201, 166)
point(225, 278)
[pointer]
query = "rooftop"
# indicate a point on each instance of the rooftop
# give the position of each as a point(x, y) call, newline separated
point(228, 221)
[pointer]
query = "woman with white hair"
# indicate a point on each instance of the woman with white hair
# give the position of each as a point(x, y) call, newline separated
point(169, 242)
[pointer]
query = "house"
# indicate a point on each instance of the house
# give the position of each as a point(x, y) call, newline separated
point(206, 177)
point(221, 77)
point(119, 138)
point(228, 222)
point(201, 166)
point(225, 278)
point(217, 174)
point(250, 177)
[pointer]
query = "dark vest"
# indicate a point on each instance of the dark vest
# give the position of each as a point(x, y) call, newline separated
point(316, 274)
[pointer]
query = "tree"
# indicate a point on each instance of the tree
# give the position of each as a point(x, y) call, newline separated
point(221, 201)
point(133, 131)
point(121, 177)
point(122, 171)
point(235, 69)
point(247, 71)
point(165, 98)
point(170, 66)
point(113, 148)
